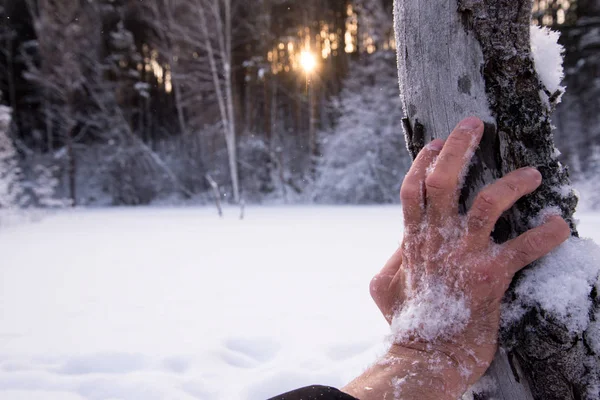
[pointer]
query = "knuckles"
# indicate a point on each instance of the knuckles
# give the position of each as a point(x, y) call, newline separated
point(481, 212)
point(437, 182)
point(410, 192)
point(530, 245)
point(485, 203)
point(512, 187)
point(450, 157)
point(376, 287)
point(460, 138)
point(533, 243)
point(478, 220)
point(522, 256)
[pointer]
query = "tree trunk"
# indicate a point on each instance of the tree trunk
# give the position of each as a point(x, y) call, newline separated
point(227, 60)
point(224, 96)
point(472, 57)
point(71, 167)
point(10, 72)
point(312, 118)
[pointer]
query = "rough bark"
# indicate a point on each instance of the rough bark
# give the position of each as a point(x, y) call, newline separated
point(472, 57)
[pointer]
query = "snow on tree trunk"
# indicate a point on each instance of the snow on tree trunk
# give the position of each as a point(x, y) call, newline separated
point(474, 57)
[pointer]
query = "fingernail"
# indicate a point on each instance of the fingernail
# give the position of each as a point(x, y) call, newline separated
point(470, 123)
point(554, 218)
point(436, 145)
point(533, 173)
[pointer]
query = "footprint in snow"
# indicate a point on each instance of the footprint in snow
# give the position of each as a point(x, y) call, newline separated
point(102, 363)
point(249, 352)
point(176, 364)
point(345, 351)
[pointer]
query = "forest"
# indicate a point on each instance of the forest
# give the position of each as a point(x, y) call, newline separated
point(123, 102)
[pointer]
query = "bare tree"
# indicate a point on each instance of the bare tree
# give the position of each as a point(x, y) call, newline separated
point(220, 61)
point(63, 32)
point(479, 62)
point(196, 37)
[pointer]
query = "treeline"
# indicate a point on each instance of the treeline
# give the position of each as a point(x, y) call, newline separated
point(129, 102)
point(577, 118)
point(132, 100)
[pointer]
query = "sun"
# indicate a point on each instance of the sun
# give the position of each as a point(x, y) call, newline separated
point(308, 61)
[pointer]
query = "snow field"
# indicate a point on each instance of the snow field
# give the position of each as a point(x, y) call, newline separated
point(178, 304)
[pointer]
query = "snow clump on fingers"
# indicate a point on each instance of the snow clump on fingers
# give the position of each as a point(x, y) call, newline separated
point(559, 283)
point(437, 303)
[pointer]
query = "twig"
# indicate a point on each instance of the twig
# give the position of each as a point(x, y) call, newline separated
point(215, 188)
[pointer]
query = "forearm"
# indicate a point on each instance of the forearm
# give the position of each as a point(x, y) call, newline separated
point(407, 374)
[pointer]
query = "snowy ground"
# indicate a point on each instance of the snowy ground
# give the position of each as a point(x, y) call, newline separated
point(177, 304)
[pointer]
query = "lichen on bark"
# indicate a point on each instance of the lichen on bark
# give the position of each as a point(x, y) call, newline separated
point(513, 92)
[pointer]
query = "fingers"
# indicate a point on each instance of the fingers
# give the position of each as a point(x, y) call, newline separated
point(381, 285)
point(443, 184)
point(535, 244)
point(495, 199)
point(412, 193)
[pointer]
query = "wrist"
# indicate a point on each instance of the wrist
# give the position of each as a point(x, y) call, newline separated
point(407, 372)
point(423, 366)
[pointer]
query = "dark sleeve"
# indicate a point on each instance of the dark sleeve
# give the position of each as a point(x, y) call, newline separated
point(314, 393)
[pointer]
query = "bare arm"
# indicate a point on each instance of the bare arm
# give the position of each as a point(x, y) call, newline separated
point(405, 373)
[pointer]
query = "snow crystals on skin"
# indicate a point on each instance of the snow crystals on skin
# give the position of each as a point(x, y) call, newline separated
point(397, 385)
point(548, 59)
point(434, 312)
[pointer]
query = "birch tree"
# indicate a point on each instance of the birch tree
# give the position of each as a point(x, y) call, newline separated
point(220, 60)
point(479, 62)
point(196, 37)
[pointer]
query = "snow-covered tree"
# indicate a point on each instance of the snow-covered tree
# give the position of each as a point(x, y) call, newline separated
point(577, 117)
point(68, 47)
point(11, 189)
point(482, 64)
point(364, 160)
point(588, 182)
point(44, 188)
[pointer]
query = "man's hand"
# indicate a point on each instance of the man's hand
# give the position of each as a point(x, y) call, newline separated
point(442, 290)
